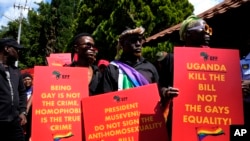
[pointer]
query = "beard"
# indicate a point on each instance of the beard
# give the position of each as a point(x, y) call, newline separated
point(11, 56)
point(137, 54)
point(11, 60)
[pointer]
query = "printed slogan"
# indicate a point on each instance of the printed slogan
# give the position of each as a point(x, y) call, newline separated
point(207, 94)
point(210, 99)
point(57, 103)
point(125, 116)
point(60, 107)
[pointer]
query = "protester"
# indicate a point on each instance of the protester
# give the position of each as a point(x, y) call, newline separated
point(130, 41)
point(83, 46)
point(102, 65)
point(194, 32)
point(117, 76)
point(13, 98)
point(28, 83)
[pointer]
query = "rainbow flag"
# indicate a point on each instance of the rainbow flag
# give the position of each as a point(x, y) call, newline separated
point(58, 137)
point(128, 76)
point(202, 132)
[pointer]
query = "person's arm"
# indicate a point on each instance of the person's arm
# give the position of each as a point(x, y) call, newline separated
point(165, 92)
point(245, 85)
point(29, 103)
point(22, 100)
point(109, 81)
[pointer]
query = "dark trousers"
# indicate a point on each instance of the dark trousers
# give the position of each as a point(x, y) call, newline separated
point(11, 131)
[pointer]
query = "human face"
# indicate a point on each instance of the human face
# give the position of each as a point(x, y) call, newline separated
point(12, 54)
point(133, 45)
point(85, 49)
point(199, 33)
point(27, 81)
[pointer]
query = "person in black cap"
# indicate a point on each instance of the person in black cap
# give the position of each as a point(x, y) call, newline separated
point(13, 98)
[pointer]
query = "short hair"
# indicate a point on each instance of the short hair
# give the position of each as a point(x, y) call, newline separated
point(187, 23)
point(139, 30)
point(74, 41)
point(26, 74)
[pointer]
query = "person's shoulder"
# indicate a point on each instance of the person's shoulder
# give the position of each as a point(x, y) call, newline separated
point(113, 65)
point(94, 67)
point(15, 68)
point(148, 64)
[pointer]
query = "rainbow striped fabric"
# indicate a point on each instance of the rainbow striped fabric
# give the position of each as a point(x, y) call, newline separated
point(128, 76)
point(58, 137)
point(202, 132)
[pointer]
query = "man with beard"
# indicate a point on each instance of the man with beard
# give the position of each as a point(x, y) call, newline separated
point(13, 98)
point(117, 75)
point(130, 41)
point(84, 55)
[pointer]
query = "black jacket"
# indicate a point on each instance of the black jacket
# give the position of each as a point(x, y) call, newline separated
point(94, 86)
point(11, 106)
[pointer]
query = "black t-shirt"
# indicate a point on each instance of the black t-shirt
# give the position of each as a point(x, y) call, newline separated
point(166, 73)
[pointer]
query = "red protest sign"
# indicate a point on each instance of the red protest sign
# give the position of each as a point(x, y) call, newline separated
point(65, 57)
point(56, 105)
point(210, 93)
point(53, 61)
point(129, 115)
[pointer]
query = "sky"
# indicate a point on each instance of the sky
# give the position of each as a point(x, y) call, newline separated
point(9, 13)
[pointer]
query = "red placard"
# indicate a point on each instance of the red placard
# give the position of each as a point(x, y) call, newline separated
point(56, 109)
point(210, 93)
point(53, 61)
point(65, 57)
point(28, 70)
point(129, 115)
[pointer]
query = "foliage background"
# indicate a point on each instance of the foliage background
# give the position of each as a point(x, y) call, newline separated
point(51, 27)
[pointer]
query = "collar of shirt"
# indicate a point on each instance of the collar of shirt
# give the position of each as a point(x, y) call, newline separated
point(127, 61)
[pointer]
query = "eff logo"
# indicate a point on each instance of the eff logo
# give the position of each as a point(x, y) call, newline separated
point(206, 57)
point(239, 133)
point(58, 75)
point(118, 98)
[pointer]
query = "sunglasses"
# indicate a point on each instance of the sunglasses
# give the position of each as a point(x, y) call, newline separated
point(205, 28)
point(86, 45)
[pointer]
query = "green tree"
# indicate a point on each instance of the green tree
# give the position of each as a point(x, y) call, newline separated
point(61, 26)
point(33, 36)
point(106, 20)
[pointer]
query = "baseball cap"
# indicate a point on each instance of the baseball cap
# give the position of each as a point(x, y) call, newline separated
point(10, 42)
point(103, 62)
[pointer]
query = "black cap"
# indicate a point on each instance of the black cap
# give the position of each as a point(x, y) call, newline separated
point(10, 42)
